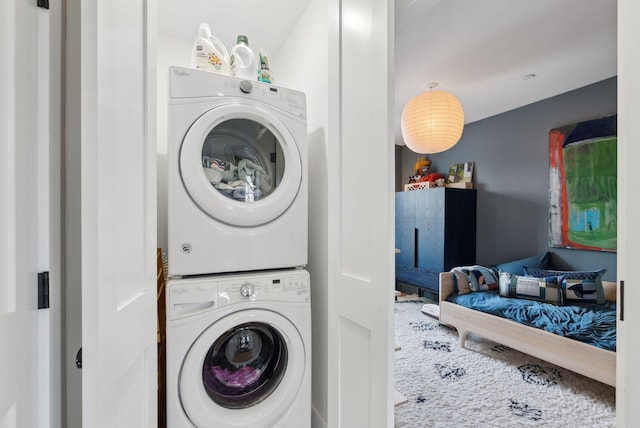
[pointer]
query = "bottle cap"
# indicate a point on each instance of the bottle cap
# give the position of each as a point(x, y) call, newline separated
point(204, 31)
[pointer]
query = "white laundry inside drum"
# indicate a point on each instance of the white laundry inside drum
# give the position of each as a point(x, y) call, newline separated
point(243, 160)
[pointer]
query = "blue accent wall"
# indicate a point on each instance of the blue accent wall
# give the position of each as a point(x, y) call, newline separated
point(511, 173)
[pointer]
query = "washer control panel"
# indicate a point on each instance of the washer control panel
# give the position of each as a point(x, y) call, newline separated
point(188, 297)
point(289, 287)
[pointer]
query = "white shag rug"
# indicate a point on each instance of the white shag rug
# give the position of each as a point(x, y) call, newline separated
point(486, 384)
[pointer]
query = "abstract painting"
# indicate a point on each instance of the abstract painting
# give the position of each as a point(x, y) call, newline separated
point(583, 185)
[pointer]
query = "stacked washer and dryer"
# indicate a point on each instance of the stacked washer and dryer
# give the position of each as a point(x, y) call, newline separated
point(238, 299)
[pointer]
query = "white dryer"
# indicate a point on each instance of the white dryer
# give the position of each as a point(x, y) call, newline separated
point(239, 351)
point(237, 175)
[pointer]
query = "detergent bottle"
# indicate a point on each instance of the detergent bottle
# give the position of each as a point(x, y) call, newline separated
point(222, 55)
point(264, 71)
point(242, 60)
point(209, 53)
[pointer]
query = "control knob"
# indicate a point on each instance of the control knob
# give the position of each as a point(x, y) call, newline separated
point(247, 290)
point(246, 86)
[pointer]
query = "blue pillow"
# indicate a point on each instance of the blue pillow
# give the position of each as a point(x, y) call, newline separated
point(515, 267)
point(577, 286)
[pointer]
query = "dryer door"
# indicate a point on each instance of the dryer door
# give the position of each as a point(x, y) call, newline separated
point(246, 369)
point(240, 164)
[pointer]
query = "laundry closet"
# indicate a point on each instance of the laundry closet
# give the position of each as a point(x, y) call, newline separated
point(237, 337)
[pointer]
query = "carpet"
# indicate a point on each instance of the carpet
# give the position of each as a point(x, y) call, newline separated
point(486, 384)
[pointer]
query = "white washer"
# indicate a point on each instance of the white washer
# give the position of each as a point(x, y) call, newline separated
point(237, 175)
point(239, 351)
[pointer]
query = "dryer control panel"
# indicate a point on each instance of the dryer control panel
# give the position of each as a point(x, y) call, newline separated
point(198, 84)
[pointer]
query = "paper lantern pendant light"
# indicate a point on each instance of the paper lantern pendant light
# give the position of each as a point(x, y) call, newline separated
point(432, 122)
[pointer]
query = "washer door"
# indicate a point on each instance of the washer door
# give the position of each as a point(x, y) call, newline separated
point(240, 165)
point(244, 370)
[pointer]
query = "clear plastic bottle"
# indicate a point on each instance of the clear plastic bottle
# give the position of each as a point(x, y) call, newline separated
point(242, 60)
point(209, 53)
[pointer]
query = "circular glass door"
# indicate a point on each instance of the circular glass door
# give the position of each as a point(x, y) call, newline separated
point(240, 165)
point(244, 366)
point(243, 160)
point(247, 367)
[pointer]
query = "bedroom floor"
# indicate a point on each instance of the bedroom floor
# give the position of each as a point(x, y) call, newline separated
point(485, 384)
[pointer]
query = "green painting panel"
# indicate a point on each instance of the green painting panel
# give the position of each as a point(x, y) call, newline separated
point(590, 169)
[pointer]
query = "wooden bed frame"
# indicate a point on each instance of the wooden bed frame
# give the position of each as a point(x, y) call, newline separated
point(588, 360)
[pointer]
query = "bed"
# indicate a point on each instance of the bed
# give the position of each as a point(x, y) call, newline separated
point(589, 360)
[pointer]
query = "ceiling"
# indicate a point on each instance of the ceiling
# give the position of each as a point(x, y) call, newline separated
point(479, 50)
point(266, 23)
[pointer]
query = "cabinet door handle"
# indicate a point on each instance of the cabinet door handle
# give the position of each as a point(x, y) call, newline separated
point(621, 300)
point(415, 247)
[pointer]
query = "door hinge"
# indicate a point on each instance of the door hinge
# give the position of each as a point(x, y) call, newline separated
point(43, 290)
point(43, 4)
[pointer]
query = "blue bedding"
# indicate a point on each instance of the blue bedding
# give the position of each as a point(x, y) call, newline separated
point(587, 322)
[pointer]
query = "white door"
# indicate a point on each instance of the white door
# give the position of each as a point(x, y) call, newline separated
point(360, 300)
point(30, 356)
point(628, 372)
point(118, 213)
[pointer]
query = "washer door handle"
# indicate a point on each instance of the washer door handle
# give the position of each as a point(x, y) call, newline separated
point(79, 358)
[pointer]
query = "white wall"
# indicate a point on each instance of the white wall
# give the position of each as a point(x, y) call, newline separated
point(170, 52)
point(301, 64)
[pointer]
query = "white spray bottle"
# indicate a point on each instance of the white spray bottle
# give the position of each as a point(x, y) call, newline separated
point(209, 53)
